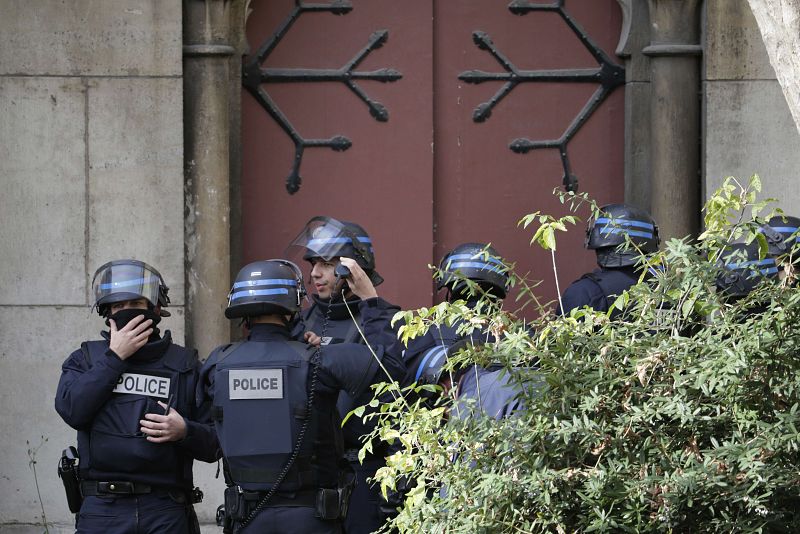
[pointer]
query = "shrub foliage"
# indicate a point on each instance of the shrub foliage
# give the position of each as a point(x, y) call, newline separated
point(681, 415)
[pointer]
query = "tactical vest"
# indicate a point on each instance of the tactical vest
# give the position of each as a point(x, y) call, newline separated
point(260, 404)
point(336, 330)
point(116, 448)
point(612, 283)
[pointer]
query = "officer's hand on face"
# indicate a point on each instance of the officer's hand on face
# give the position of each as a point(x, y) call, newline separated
point(359, 282)
point(312, 338)
point(163, 428)
point(131, 338)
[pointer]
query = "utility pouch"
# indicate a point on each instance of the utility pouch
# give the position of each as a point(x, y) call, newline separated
point(346, 486)
point(328, 507)
point(222, 520)
point(234, 505)
point(68, 473)
point(196, 495)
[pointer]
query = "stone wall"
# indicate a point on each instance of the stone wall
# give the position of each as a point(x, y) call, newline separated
point(748, 127)
point(91, 160)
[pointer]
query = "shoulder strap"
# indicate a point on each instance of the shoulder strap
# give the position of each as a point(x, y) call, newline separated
point(227, 351)
point(86, 355)
point(179, 358)
point(311, 320)
point(87, 347)
point(303, 350)
point(353, 335)
point(602, 281)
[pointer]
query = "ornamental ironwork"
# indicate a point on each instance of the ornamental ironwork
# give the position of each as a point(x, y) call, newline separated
point(608, 75)
point(255, 77)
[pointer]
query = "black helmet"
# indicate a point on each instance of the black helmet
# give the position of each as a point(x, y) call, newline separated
point(327, 238)
point(431, 365)
point(121, 280)
point(606, 233)
point(474, 261)
point(787, 227)
point(266, 287)
point(743, 268)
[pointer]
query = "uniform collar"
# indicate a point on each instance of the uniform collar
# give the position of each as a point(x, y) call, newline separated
point(268, 332)
point(338, 308)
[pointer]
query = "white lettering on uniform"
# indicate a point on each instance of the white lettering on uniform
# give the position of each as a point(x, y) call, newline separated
point(137, 384)
point(255, 384)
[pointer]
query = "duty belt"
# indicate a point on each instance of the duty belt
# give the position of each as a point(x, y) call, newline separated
point(94, 487)
point(91, 488)
point(299, 498)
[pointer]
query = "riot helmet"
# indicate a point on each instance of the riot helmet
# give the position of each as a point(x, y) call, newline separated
point(787, 227)
point(607, 233)
point(431, 365)
point(328, 238)
point(266, 287)
point(478, 262)
point(121, 280)
point(742, 269)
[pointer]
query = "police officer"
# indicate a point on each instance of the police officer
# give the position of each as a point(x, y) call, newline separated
point(783, 242)
point(344, 277)
point(131, 398)
point(274, 402)
point(742, 269)
point(787, 226)
point(617, 259)
point(478, 262)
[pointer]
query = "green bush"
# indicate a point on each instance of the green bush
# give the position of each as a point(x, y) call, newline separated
point(680, 416)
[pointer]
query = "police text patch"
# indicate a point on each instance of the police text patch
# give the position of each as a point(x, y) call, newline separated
point(255, 384)
point(136, 384)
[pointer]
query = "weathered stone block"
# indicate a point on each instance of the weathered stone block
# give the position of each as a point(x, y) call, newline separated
point(734, 49)
point(42, 162)
point(87, 37)
point(749, 131)
point(136, 175)
point(36, 341)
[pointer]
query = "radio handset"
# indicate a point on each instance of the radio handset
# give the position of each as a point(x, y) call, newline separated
point(341, 272)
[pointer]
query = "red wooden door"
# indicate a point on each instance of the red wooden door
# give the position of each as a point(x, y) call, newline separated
point(430, 176)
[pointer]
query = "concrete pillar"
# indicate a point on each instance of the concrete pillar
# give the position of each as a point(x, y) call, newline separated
point(675, 52)
point(239, 12)
point(206, 65)
point(634, 37)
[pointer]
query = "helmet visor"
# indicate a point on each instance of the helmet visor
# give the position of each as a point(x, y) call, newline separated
point(326, 238)
point(125, 281)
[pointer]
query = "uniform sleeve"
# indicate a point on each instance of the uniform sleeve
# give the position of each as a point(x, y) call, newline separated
point(376, 321)
point(350, 367)
point(84, 388)
point(201, 439)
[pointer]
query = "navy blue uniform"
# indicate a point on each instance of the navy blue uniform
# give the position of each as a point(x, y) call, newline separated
point(104, 397)
point(493, 391)
point(375, 316)
point(256, 430)
point(598, 289)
